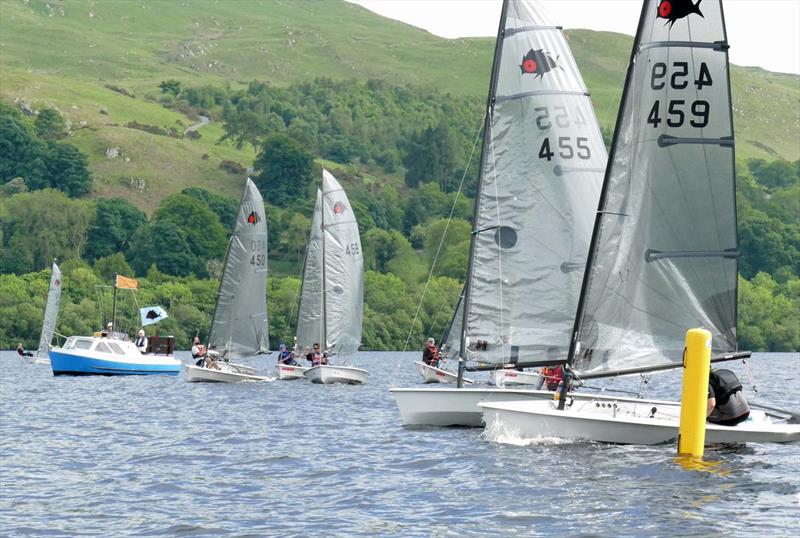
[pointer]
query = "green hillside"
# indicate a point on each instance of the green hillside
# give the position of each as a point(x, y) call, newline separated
point(94, 51)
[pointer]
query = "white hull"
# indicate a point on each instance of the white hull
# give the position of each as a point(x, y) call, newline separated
point(431, 374)
point(618, 422)
point(287, 372)
point(443, 406)
point(327, 374)
point(511, 378)
point(228, 373)
point(37, 360)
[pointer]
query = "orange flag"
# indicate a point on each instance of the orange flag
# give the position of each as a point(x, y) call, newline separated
point(126, 283)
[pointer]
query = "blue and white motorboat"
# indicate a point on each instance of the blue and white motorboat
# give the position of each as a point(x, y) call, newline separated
point(92, 355)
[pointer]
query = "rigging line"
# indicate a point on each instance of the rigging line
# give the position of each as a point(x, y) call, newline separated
point(444, 234)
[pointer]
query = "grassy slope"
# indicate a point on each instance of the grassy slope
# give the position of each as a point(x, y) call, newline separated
point(137, 44)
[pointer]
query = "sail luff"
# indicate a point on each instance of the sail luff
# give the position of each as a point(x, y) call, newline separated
point(498, 49)
point(604, 193)
point(309, 315)
point(50, 312)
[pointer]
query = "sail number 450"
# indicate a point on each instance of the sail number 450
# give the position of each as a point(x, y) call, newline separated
point(566, 149)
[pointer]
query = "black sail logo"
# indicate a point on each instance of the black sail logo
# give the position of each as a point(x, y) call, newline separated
point(672, 10)
point(537, 62)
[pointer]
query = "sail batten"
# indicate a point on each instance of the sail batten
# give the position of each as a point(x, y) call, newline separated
point(540, 174)
point(664, 250)
point(240, 326)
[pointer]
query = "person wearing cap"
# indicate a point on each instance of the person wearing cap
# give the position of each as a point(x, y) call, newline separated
point(285, 356)
point(431, 355)
point(108, 330)
point(141, 341)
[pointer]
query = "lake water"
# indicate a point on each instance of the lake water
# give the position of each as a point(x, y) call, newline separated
point(157, 456)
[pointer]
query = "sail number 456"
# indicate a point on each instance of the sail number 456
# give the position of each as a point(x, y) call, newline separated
point(676, 109)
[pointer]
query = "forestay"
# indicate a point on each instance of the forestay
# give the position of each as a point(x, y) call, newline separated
point(343, 269)
point(239, 326)
point(310, 320)
point(50, 312)
point(541, 169)
point(664, 251)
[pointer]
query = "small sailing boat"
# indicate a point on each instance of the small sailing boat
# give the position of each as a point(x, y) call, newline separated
point(541, 169)
point(50, 318)
point(664, 251)
point(109, 352)
point(239, 325)
point(332, 294)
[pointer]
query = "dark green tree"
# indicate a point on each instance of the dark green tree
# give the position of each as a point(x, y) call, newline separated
point(284, 170)
point(114, 224)
point(49, 125)
point(22, 154)
point(225, 207)
point(171, 86)
point(68, 169)
point(163, 244)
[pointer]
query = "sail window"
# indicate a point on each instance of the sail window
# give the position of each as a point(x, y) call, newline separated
point(505, 237)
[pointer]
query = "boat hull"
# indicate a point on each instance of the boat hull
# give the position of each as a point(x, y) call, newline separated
point(288, 372)
point(619, 423)
point(327, 374)
point(513, 378)
point(431, 374)
point(228, 373)
point(67, 362)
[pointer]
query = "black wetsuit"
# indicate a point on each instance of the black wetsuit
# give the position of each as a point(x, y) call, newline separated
point(731, 407)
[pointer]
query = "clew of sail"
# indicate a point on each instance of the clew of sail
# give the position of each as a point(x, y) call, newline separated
point(344, 269)
point(239, 326)
point(310, 320)
point(541, 170)
point(664, 249)
point(50, 312)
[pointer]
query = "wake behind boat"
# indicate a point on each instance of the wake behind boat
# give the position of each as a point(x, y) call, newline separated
point(239, 326)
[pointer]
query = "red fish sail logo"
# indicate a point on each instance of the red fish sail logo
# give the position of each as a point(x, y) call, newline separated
point(252, 218)
point(537, 62)
point(339, 208)
point(672, 10)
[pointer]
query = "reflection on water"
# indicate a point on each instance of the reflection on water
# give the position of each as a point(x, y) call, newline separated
point(160, 456)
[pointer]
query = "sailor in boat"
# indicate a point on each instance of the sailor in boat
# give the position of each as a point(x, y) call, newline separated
point(316, 357)
point(431, 355)
point(285, 356)
point(109, 330)
point(551, 375)
point(726, 402)
point(211, 360)
point(21, 351)
point(141, 341)
point(198, 351)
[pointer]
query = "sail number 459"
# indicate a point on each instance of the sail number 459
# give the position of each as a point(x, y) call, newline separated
point(674, 111)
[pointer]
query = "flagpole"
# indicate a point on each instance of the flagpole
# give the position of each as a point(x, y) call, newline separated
point(114, 306)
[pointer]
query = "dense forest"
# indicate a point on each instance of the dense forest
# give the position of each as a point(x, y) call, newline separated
point(366, 132)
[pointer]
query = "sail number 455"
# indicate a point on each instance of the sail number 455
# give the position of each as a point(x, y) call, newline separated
point(566, 149)
point(676, 109)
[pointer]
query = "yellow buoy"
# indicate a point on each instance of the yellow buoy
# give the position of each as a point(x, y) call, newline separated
point(697, 364)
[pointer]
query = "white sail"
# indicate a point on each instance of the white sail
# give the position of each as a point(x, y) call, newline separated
point(664, 252)
point(310, 328)
point(50, 313)
point(541, 170)
point(343, 275)
point(239, 326)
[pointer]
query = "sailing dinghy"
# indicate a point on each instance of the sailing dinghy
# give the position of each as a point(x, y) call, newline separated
point(541, 169)
point(664, 252)
point(332, 294)
point(50, 318)
point(239, 326)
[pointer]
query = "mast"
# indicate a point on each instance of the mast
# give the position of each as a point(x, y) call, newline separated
point(324, 284)
point(498, 49)
point(573, 344)
point(114, 305)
